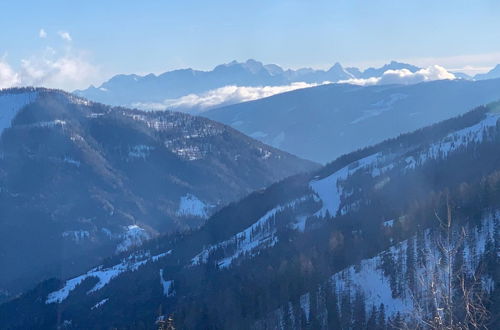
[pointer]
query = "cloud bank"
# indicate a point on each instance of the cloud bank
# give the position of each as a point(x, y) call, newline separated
point(8, 77)
point(52, 70)
point(404, 77)
point(66, 68)
point(222, 96)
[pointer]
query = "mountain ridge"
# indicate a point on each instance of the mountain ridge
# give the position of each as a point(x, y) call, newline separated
point(301, 230)
point(125, 90)
point(100, 180)
point(324, 122)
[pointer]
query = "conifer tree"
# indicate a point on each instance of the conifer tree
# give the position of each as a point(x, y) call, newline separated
point(359, 311)
point(372, 319)
point(332, 306)
point(381, 323)
point(346, 310)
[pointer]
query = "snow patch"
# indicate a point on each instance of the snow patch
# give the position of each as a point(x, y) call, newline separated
point(167, 286)
point(452, 142)
point(329, 189)
point(249, 242)
point(76, 235)
point(300, 223)
point(190, 205)
point(99, 304)
point(389, 223)
point(133, 236)
point(104, 275)
point(140, 151)
point(380, 107)
point(71, 161)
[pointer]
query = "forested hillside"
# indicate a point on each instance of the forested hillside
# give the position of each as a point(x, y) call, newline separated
point(347, 246)
point(80, 181)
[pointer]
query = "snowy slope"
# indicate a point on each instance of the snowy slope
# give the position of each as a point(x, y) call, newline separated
point(104, 275)
point(369, 278)
point(333, 193)
point(350, 226)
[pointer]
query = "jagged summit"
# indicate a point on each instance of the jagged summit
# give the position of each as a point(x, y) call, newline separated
point(134, 89)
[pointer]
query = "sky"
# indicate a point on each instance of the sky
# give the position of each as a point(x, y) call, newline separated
point(71, 44)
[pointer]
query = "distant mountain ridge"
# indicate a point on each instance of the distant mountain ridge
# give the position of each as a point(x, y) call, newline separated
point(130, 89)
point(321, 123)
point(492, 74)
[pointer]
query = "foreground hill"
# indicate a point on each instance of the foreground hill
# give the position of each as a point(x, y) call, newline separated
point(345, 247)
point(80, 180)
point(322, 123)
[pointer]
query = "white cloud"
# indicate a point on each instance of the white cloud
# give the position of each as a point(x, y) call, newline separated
point(404, 77)
point(65, 35)
point(62, 72)
point(221, 96)
point(466, 63)
point(68, 70)
point(42, 34)
point(8, 77)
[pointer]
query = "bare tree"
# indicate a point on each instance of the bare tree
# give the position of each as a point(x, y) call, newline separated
point(448, 296)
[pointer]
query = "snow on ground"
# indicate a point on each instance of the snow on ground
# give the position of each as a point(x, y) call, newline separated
point(389, 223)
point(370, 279)
point(453, 141)
point(368, 276)
point(305, 305)
point(100, 303)
point(190, 205)
point(10, 104)
point(71, 161)
point(380, 107)
point(76, 235)
point(104, 275)
point(46, 124)
point(329, 189)
point(264, 154)
point(300, 223)
point(260, 235)
point(133, 236)
point(167, 286)
point(140, 151)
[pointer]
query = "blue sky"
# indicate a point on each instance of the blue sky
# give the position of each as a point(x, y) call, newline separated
point(109, 37)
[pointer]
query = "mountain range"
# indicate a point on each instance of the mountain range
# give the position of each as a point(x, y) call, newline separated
point(353, 244)
point(176, 89)
point(128, 90)
point(81, 180)
point(492, 74)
